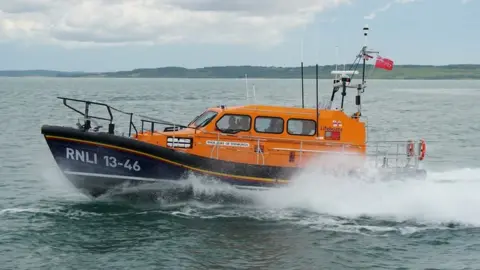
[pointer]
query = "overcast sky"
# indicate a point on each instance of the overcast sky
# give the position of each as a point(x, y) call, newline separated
point(109, 35)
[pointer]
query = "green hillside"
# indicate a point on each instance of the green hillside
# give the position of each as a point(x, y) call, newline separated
point(37, 73)
point(407, 72)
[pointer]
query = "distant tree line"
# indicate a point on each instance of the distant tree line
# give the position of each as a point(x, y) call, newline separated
point(409, 72)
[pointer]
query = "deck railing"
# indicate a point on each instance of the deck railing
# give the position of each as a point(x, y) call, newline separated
point(88, 117)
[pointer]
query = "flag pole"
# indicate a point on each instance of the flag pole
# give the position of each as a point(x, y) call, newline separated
point(301, 71)
point(365, 34)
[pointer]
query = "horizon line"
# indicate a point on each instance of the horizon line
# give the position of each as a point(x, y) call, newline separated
point(223, 66)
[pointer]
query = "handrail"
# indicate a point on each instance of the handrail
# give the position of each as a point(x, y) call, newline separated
point(109, 108)
point(87, 103)
point(159, 121)
point(255, 109)
point(175, 127)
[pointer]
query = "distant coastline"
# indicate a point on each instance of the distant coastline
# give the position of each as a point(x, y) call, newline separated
point(400, 72)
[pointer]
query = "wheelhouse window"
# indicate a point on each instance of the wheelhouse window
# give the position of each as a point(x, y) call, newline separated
point(264, 124)
point(204, 119)
point(232, 123)
point(302, 127)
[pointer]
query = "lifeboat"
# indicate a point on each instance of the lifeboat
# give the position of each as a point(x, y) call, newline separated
point(250, 146)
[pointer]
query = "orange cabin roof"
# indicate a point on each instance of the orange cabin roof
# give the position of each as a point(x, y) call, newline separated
point(280, 110)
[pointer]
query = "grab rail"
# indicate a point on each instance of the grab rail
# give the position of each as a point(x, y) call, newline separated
point(152, 121)
point(109, 108)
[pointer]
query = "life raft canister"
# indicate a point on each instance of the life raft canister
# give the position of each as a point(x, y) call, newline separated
point(423, 149)
point(410, 149)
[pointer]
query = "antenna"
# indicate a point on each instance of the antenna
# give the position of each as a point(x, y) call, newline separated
point(336, 58)
point(246, 85)
point(344, 79)
point(365, 34)
point(301, 71)
point(360, 87)
point(316, 94)
point(301, 50)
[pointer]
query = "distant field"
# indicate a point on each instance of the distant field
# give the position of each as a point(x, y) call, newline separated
point(407, 72)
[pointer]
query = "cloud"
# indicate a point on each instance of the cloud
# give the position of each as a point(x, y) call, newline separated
point(387, 6)
point(119, 22)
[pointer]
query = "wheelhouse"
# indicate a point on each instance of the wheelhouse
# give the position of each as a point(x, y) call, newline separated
point(260, 134)
point(288, 123)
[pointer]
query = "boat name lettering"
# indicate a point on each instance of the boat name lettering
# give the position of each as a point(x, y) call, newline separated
point(233, 144)
point(330, 128)
point(109, 161)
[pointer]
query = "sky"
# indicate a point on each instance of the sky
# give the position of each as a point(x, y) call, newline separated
point(112, 35)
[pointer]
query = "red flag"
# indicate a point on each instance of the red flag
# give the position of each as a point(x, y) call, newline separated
point(384, 63)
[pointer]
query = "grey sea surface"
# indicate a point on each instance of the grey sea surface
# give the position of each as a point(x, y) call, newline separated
point(317, 223)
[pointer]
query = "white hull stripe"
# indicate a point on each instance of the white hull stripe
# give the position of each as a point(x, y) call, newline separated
point(126, 177)
point(252, 187)
point(115, 176)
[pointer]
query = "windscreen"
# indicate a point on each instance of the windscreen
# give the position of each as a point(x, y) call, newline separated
point(203, 119)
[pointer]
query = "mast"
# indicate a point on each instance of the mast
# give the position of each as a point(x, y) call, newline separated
point(301, 71)
point(316, 94)
point(364, 54)
point(358, 101)
point(343, 78)
point(364, 51)
point(246, 86)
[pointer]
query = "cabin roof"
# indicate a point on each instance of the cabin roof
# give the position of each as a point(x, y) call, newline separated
point(275, 109)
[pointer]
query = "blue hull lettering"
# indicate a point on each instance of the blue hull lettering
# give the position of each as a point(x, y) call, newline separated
point(81, 155)
point(111, 161)
point(104, 160)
